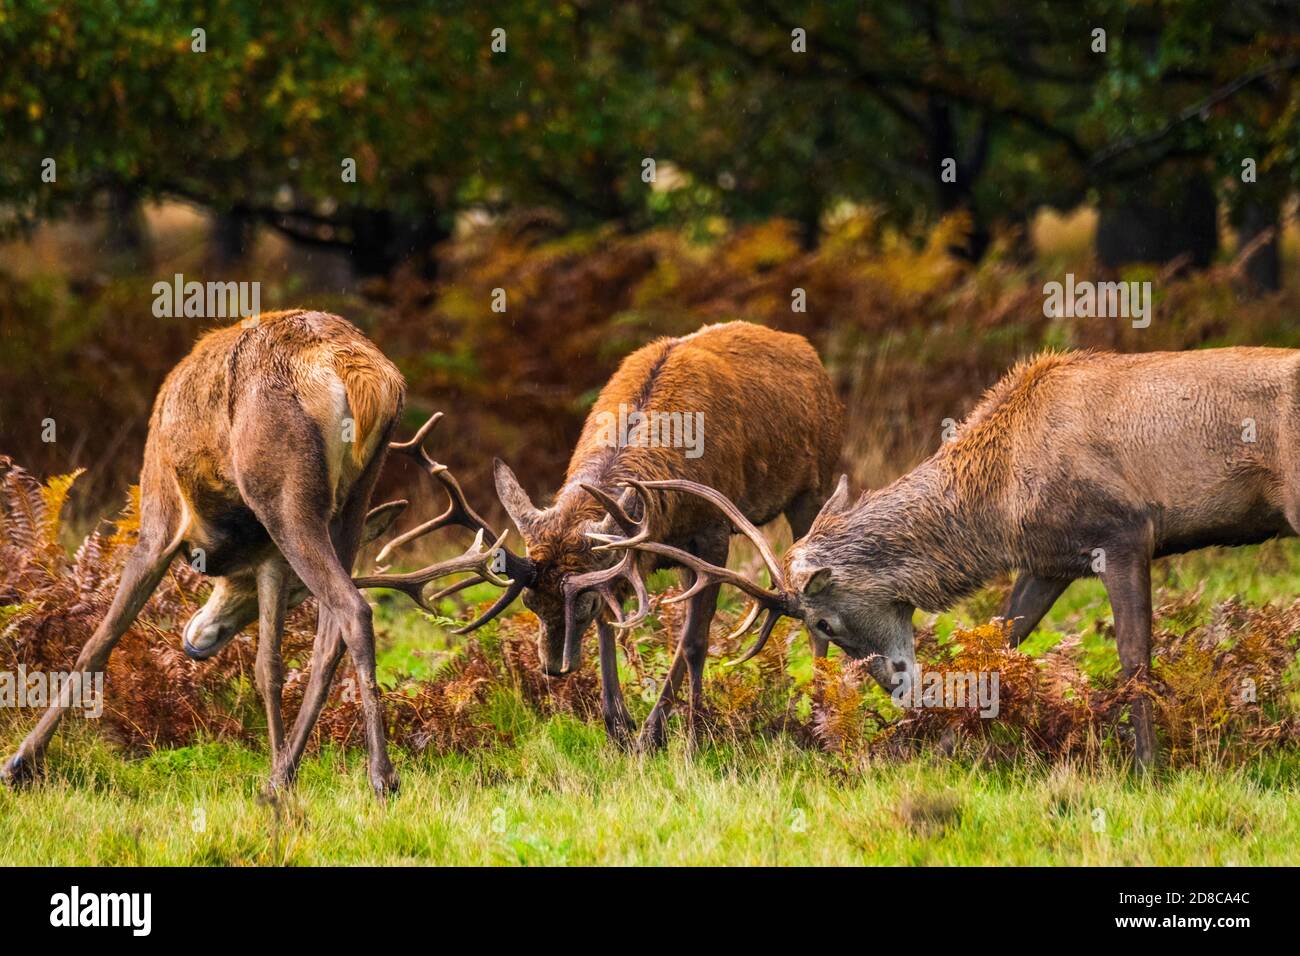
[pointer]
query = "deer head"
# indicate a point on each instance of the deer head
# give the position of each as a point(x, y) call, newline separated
point(574, 582)
point(832, 588)
point(564, 579)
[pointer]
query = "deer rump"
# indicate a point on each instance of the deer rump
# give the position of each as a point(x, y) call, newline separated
point(263, 450)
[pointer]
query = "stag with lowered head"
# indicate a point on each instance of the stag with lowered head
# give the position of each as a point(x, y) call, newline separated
point(771, 432)
point(1072, 465)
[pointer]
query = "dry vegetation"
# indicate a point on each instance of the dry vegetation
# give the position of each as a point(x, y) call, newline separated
point(1223, 690)
point(911, 335)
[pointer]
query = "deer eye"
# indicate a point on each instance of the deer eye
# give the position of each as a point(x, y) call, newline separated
point(825, 628)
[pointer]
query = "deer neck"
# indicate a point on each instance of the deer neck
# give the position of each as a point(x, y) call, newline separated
point(939, 542)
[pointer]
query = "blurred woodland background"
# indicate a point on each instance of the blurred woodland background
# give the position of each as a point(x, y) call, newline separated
point(503, 145)
point(796, 145)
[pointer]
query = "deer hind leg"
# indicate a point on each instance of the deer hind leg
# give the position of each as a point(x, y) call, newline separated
point(272, 604)
point(1029, 601)
point(291, 497)
point(1128, 583)
point(619, 724)
point(328, 648)
point(308, 551)
point(144, 569)
point(326, 652)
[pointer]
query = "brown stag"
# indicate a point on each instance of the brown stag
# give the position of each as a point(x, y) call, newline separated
point(1072, 465)
point(263, 449)
point(766, 428)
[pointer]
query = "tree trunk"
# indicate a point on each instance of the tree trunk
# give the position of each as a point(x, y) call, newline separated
point(232, 237)
point(125, 231)
point(382, 240)
point(1157, 219)
point(1263, 269)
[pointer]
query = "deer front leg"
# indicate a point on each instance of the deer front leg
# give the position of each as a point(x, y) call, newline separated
point(1029, 601)
point(272, 602)
point(692, 650)
point(695, 644)
point(654, 733)
point(619, 724)
point(144, 569)
point(1128, 583)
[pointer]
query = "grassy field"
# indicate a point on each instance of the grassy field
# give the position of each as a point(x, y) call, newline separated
point(561, 795)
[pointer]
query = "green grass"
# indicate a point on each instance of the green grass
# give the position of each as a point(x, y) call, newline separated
point(562, 795)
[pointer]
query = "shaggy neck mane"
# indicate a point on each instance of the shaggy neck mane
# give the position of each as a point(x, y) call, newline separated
point(915, 534)
point(940, 532)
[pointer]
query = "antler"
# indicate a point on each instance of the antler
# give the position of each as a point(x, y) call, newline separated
point(477, 559)
point(602, 581)
point(776, 601)
point(458, 511)
point(519, 570)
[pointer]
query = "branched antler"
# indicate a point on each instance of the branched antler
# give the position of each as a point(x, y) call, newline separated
point(477, 559)
point(459, 511)
point(775, 601)
point(493, 565)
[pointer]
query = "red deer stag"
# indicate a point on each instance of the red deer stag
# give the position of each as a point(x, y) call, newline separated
point(263, 450)
point(762, 423)
point(1072, 465)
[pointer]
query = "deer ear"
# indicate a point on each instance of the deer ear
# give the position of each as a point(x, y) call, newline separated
point(839, 499)
point(518, 505)
point(816, 581)
point(380, 519)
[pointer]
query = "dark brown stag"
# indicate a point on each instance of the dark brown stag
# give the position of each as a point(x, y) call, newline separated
point(759, 420)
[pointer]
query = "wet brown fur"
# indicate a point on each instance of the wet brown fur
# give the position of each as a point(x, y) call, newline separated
point(1067, 448)
point(772, 428)
point(295, 354)
point(772, 432)
point(1072, 465)
point(264, 446)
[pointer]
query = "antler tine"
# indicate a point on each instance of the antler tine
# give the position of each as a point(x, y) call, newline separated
point(501, 603)
point(773, 615)
point(459, 586)
point(602, 583)
point(774, 602)
point(477, 559)
point(459, 510)
point(614, 507)
point(727, 507)
point(520, 571)
point(706, 574)
point(416, 441)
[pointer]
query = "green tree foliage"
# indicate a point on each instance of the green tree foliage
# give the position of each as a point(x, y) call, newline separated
point(751, 123)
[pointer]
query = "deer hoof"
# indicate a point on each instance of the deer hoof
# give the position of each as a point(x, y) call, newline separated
point(652, 738)
point(385, 785)
point(16, 771)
